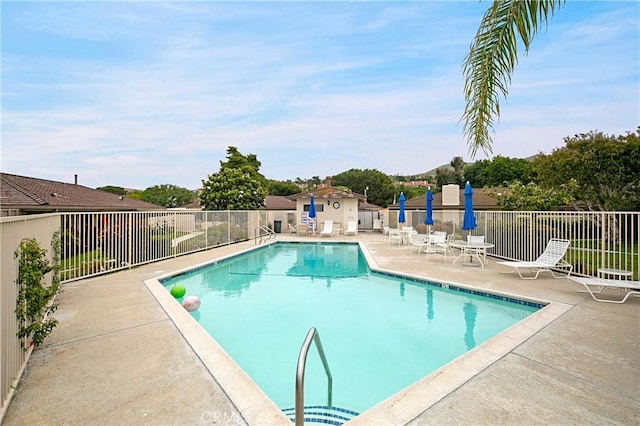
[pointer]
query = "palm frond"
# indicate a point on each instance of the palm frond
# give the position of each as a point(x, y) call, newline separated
point(492, 58)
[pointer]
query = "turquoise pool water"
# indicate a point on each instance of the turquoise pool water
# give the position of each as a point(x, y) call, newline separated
point(380, 332)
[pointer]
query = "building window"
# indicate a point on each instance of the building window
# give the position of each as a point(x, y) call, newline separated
point(319, 207)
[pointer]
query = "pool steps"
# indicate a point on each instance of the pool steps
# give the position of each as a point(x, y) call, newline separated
point(321, 414)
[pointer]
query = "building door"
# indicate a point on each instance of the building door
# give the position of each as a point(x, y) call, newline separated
point(365, 219)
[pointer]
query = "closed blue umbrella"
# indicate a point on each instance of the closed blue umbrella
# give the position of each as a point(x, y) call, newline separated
point(469, 220)
point(401, 218)
point(312, 214)
point(429, 218)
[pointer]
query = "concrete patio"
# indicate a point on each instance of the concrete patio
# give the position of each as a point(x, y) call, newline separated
point(117, 358)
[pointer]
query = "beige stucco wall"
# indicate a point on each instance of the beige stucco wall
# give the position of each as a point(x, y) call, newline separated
point(346, 211)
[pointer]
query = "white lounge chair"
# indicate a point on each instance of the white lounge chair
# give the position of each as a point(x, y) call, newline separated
point(352, 228)
point(552, 257)
point(631, 287)
point(327, 229)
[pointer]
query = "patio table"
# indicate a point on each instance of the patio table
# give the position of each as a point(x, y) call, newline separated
point(471, 249)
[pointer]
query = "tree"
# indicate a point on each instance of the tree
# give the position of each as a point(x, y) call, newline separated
point(247, 163)
point(380, 185)
point(314, 182)
point(167, 195)
point(276, 187)
point(118, 190)
point(532, 197)
point(490, 63)
point(135, 194)
point(605, 168)
point(232, 189)
point(238, 185)
point(498, 171)
point(410, 192)
point(452, 174)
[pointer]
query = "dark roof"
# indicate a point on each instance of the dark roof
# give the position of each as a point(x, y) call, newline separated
point(194, 204)
point(481, 201)
point(272, 202)
point(368, 206)
point(326, 193)
point(279, 202)
point(32, 195)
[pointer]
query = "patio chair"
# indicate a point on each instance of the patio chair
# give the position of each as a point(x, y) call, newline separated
point(352, 228)
point(437, 245)
point(450, 238)
point(480, 252)
point(303, 229)
point(552, 257)
point(631, 287)
point(327, 229)
point(293, 229)
point(395, 236)
point(418, 242)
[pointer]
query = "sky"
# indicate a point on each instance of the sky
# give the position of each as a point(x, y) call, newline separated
point(136, 94)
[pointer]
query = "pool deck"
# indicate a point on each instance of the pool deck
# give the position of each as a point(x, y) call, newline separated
point(117, 358)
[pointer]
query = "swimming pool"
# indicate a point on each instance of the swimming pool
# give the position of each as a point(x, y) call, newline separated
point(381, 332)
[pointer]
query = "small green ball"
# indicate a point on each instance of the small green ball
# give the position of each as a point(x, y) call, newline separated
point(178, 291)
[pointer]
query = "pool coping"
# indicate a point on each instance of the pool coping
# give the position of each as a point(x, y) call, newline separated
point(256, 408)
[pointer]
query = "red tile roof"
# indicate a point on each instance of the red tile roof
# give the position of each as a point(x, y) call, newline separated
point(32, 195)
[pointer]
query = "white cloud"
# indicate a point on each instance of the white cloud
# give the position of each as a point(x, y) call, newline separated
point(138, 94)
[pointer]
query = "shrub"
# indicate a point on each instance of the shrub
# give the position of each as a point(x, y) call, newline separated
point(34, 297)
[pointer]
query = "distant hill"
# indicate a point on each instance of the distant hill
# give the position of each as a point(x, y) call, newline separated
point(443, 166)
point(448, 166)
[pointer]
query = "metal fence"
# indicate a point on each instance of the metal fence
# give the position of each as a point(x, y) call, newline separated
point(598, 239)
point(12, 231)
point(94, 243)
point(98, 243)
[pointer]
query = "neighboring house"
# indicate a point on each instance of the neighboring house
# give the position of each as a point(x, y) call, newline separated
point(272, 202)
point(453, 200)
point(21, 195)
point(279, 202)
point(447, 206)
point(281, 209)
point(413, 184)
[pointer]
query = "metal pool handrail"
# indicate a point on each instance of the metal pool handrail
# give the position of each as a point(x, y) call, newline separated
point(265, 232)
point(312, 335)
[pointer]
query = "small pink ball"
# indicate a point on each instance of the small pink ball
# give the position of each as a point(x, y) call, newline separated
point(191, 303)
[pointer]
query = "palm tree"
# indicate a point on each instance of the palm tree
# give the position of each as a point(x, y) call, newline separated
point(488, 66)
